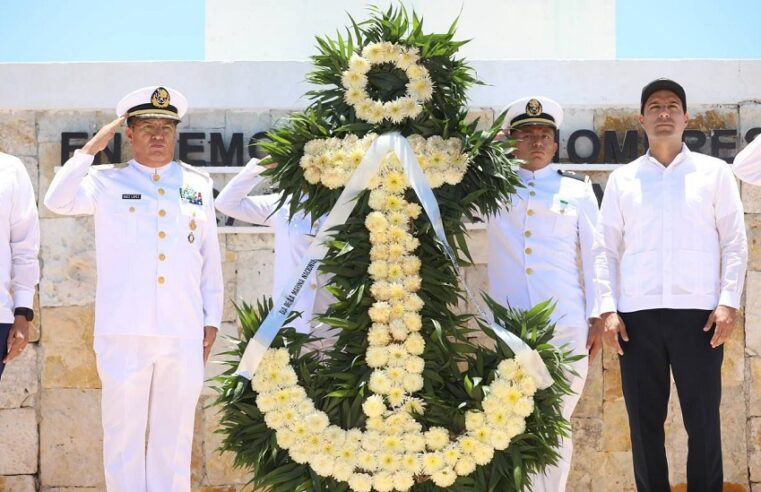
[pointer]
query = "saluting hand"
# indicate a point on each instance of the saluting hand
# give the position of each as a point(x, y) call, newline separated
point(614, 326)
point(209, 336)
point(724, 318)
point(104, 135)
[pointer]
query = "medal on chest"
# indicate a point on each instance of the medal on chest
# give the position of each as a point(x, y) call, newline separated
point(192, 226)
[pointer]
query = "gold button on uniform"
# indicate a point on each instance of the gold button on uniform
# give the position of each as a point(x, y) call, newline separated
point(162, 191)
point(529, 270)
point(162, 257)
point(530, 212)
point(162, 280)
point(162, 212)
point(156, 177)
point(132, 209)
point(531, 183)
point(532, 193)
point(528, 251)
point(527, 233)
point(162, 234)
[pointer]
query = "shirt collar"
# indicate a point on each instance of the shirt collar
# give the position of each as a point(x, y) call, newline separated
point(680, 157)
point(544, 172)
point(151, 170)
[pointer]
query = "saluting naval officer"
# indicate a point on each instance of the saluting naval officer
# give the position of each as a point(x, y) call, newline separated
point(292, 239)
point(747, 164)
point(19, 248)
point(673, 258)
point(534, 246)
point(159, 292)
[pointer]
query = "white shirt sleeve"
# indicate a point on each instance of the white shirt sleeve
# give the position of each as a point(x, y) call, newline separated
point(212, 282)
point(234, 201)
point(24, 241)
point(747, 164)
point(588, 214)
point(607, 249)
point(73, 190)
point(730, 224)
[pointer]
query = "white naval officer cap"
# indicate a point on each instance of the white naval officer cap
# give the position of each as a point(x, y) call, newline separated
point(533, 110)
point(153, 102)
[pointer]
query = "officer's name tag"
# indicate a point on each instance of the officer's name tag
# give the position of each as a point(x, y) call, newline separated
point(131, 196)
point(561, 205)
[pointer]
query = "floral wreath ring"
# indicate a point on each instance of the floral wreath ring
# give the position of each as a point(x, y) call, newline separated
point(354, 80)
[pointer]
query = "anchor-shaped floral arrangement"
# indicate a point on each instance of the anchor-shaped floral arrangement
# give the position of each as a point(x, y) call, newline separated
point(407, 398)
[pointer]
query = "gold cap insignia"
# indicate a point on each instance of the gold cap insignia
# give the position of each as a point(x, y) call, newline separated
point(160, 98)
point(533, 107)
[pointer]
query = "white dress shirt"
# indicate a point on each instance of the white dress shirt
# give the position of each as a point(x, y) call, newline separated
point(747, 164)
point(19, 238)
point(292, 238)
point(157, 251)
point(534, 246)
point(671, 236)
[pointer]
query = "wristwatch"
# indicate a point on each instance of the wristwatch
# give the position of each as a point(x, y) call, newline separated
point(25, 312)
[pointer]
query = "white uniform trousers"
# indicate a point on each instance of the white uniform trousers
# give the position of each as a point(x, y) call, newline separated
point(555, 477)
point(149, 384)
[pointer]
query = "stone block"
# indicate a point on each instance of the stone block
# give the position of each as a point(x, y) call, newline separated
point(611, 375)
point(68, 356)
point(68, 270)
point(753, 314)
point(219, 466)
point(19, 386)
point(50, 124)
point(255, 275)
point(754, 449)
point(71, 438)
point(18, 135)
point(31, 164)
point(615, 427)
point(203, 119)
point(754, 387)
point(251, 242)
point(478, 245)
point(20, 441)
point(49, 158)
point(753, 229)
point(619, 473)
point(215, 367)
point(733, 367)
point(751, 197)
point(248, 123)
point(590, 404)
point(17, 483)
point(734, 437)
point(230, 277)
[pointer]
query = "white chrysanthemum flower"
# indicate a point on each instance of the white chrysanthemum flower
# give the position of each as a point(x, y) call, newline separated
point(379, 312)
point(453, 176)
point(414, 365)
point(482, 433)
point(507, 368)
point(342, 471)
point(377, 424)
point(374, 406)
point(314, 147)
point(394, 111)
point(444, 477)
point(414, 210)
point(333, 178)
point(420, 89)
point(397, 292)
point(436, 438)
point(376, 113)
point(366, 460)
point(397, 219)
point(451, 455)
point(395, 182)
point(500, 439)
point(379, 336)
point(398, 329)
point(528, 386)
point(397, 235)
point(435, 179)
point(265, 402)
point(396, 396)
point(353, 80)
point(413, 383)
point(381, 290)
point(403, 481)
point(468, 445)
point(378, 269)
point(383, 482)
point(348, 452)
point(498, 418)
point(388, 461)
point(411, 463)
point(416, 72)
point(524, 407)
point(432, 462)
point(312, 175)
point(300, 457)
point(396, 374)
point(274, 420)
point(358, 64)
point(354, 437)
point(361, 482)
point(465, 466)
point(285, 438)
point(376, 357)
point(415, 344)
point(397, 355)
point(483, 454)
point(300, 430)
point(406, 58)
point(335, 435)
point(376, 222)
point(282, 399)
point(474, 419)
point(377, 199)
point(413, 284)
point(413, 303)
point(393, 444)
point(317, 421)
point(392, 202)
point(413, 322)
point(414, 443)
point(379, 252)
point(491, 404)
point(379, 383)
point(396, 251)
point(322, 464)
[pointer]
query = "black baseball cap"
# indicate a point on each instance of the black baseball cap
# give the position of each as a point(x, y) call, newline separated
point(662, 84)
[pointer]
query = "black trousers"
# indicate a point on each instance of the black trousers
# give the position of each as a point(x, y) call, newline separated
point(5, 328)
point(659, 340)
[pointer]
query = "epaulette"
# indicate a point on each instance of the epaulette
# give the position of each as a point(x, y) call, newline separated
point(194, 169)
point(573, 175)
point(106, 167)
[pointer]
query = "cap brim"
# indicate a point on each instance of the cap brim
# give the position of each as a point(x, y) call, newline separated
point(147, 116)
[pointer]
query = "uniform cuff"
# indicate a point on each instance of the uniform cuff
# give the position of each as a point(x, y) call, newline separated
point(23, 298)
point(608, 305)
point(731, 299)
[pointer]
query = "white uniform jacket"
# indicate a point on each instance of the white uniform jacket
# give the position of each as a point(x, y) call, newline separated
point(534, 247)
point(292, 238)
point(159, 267)
point(747, 164)
point(19, 238)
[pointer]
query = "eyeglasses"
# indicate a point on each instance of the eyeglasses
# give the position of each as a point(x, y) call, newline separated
point(153, 129)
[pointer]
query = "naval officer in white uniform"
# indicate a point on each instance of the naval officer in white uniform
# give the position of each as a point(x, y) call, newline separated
point(747, 164)
point(158, 302)
point(534, 246)
point(292, 239)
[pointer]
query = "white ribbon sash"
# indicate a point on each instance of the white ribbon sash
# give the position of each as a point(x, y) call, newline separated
point(384, 144)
